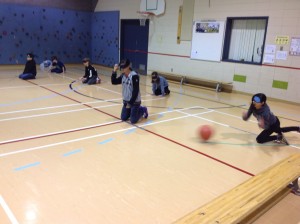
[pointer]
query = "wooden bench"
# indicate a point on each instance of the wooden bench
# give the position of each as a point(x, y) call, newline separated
point(173, 77)
point(249, 200)
point(191, 81)
point(218, 86)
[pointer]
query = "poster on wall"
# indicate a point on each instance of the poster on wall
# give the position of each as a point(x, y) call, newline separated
point(270, 49)
point(282, 40)
point(207, 27)
point(295, 46)
point(281, 55)
point(207, 40)
point(269, 59)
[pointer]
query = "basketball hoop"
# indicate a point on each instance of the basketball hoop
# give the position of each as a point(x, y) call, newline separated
point(144, 16)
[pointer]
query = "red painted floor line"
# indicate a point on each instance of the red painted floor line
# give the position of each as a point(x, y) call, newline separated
point(158, 135)
point(59, 133)
point(201, 153)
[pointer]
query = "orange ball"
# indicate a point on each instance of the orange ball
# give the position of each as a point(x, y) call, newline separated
point(205, 132)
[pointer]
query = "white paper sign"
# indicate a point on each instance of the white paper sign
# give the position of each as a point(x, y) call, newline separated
point(269, 58)
point(281, 55)
point(295, 46)
point(270, 49)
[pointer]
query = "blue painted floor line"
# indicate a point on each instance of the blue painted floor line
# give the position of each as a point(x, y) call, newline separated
point(72, 152)
point(106, 141)
point(27, 166)
point(130, 131)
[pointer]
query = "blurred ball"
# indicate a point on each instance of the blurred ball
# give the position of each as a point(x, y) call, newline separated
point(205, 132)
point(244, 115)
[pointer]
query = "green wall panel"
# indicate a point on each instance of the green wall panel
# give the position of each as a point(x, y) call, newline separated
point(280, 84)
point(239, 78)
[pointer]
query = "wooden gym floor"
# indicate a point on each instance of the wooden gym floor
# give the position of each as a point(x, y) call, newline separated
point(65, 157)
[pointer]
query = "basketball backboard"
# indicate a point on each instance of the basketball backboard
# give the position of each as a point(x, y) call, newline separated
point(157, 7)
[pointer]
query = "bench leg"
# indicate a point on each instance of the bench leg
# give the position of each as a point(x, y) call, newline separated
point(182, 80)
point(295, 187)
point(219, 87)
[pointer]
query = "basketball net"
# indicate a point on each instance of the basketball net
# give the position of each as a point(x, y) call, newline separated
point(144, 16)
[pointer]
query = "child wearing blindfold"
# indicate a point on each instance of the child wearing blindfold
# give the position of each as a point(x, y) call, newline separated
point(159, 85)
point(267, 121)
point(130, 91)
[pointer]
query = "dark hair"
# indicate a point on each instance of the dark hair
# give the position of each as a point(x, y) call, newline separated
point(124, 63)
point(30, 55)
point(155, 77)
point(262, 97)
point(53, 58)
point(86, 60)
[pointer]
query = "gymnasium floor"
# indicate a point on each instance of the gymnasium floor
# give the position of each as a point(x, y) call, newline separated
point(65, 157)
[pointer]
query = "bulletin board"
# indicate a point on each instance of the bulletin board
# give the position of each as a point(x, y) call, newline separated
point(295, 46)
point(207, 40)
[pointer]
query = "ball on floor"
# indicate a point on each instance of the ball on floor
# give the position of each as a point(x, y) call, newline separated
point(205, 132)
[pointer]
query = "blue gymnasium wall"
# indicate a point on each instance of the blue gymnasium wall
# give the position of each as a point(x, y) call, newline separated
point(105, 38)
point(51, 31)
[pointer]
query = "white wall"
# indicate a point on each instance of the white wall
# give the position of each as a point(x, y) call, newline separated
point(127, 8)
point(284, 20)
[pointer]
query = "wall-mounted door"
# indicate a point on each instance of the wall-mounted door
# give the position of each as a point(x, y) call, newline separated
point(134, 43)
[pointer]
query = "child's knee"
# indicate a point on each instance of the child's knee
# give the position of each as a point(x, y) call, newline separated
point(124, 117)
point(259, 140)
point(133, 121)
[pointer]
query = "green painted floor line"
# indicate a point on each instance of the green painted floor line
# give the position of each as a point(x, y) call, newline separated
point(257, 144)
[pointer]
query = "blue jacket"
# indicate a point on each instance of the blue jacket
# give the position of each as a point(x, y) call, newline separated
point(162, 84)
point(59, 65)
